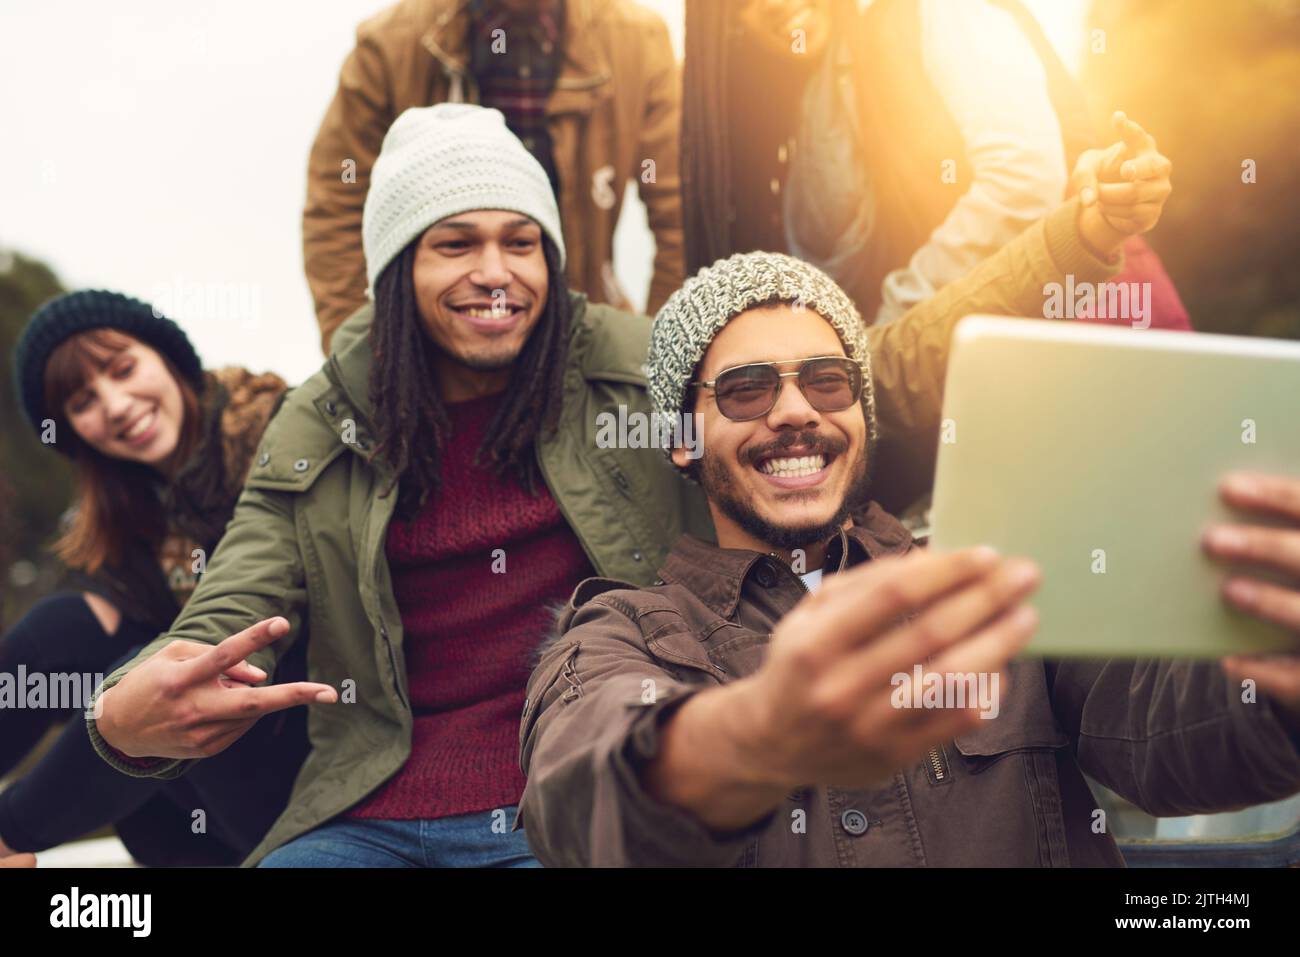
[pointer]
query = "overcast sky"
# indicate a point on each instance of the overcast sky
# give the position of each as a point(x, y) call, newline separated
point(159, 147)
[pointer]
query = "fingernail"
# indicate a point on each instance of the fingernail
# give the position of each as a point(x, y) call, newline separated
point(985, 554)
point(1026, 616)
point(1241, 590)
point(325, 697)
point(1086, 196)
point(256, 670)
point(1225, 538)
point(1023, 574)
point(1242, 485)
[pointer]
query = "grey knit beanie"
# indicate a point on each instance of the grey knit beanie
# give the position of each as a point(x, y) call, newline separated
point(694, 314)
point(437, 161)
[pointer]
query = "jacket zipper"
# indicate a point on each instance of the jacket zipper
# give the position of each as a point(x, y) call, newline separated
point(937, 766)
point(392, 663)
point(620, 480)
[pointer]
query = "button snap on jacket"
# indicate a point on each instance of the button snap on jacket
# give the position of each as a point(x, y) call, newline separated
point(855, 822)
point(301, 465)
point(264, 458)
point(764, 574)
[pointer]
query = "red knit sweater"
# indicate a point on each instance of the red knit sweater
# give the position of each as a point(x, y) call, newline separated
point(471, 633)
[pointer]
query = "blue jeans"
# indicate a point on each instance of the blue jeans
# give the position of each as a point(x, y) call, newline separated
point(467, 840)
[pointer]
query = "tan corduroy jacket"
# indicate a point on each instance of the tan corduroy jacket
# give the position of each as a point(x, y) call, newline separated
point(614, 115)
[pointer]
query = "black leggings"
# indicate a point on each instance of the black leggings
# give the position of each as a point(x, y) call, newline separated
point(59, 635)
point(72, 791)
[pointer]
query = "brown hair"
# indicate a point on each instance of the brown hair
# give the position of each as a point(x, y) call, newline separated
point(118, 506)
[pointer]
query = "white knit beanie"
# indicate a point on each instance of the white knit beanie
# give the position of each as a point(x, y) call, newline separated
point(437, 161)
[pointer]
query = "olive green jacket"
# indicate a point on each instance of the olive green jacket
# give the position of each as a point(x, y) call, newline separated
point(307, 538)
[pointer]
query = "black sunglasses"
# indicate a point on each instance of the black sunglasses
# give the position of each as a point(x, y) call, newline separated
point(829, 383)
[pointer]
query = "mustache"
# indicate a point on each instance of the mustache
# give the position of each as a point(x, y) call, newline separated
point(812, 442)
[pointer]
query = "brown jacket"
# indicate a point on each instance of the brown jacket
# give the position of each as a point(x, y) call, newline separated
point(616, 105)
point(1170, 736)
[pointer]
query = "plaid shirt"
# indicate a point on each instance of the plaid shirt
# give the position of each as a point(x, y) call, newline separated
point(518, 80)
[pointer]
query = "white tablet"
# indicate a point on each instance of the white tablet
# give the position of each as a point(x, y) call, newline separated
point(1096, 451)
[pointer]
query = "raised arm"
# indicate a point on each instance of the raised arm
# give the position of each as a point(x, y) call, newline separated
point(1079, 239)
point(178, 699)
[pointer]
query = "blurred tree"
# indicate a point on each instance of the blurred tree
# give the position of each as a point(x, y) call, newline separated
point(8, 523)
point(35, 483)
point(1216, 84)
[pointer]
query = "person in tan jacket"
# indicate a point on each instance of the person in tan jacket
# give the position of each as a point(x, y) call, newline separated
point(611, 114)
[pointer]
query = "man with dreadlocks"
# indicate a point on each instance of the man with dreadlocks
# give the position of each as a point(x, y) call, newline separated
point(419, 507)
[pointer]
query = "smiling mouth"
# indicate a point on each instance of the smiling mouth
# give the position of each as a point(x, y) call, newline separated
point(139, 427)
point(801, 466)
point(491, 312)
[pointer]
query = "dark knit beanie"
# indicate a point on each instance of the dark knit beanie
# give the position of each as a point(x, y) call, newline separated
point(65, 316)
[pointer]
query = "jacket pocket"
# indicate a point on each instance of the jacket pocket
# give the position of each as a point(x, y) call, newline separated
point(560, 670)
point(675, 644)
point(980, 749)
point(740, 654)
point(1024, 721)
point(1018, 750)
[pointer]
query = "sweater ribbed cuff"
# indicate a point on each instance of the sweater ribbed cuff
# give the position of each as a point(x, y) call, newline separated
point(1067, 249)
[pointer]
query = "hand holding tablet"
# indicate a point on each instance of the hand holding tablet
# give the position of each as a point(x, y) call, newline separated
point(1099, 453)
point(1277, 548)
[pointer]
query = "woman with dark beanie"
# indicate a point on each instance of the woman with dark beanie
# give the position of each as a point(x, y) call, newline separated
point(161, 448)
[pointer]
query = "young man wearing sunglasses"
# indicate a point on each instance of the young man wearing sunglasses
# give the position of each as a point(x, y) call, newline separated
point(723, 717)
point(420, 505)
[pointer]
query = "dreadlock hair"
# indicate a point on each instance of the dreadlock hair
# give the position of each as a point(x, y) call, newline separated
point(410, 420)
point(705, 147)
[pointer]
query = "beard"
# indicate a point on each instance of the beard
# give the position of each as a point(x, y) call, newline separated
point(486, 362)
point(715, 478)
point(489, 357)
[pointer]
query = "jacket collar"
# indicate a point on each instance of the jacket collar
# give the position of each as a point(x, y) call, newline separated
point(584, 74)
point(349, 368)
point(717, 575)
